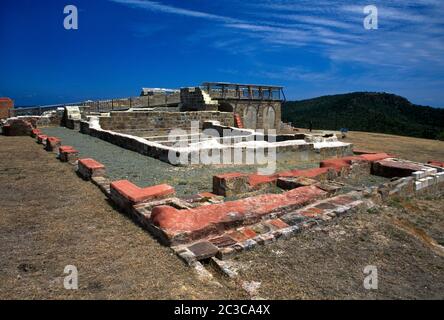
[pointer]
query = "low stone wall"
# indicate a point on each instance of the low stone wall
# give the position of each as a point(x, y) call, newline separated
point(155, 120)
point(72, 124)
point(153, 101)
point(301, 150)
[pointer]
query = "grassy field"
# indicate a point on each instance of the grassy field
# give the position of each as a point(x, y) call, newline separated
point(415, 149)
point(50, 218)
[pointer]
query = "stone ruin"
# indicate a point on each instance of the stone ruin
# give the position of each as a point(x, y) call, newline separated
point(243, 210)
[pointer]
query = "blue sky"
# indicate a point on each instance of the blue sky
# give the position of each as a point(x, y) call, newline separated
point(310, 47)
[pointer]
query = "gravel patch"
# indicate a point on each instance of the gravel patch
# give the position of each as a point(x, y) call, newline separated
point(146, 171)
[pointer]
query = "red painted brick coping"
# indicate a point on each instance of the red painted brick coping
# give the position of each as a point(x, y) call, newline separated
point(391, 168)
point(67, 149)
point(236, 182)
point(53, 143)
point(340, 163)
point(182, 226)
point(88, 168)
point(41, 138)
point(436, 163)
point(68, 154)
point(91, 164)
point(136, 194)
point(35, 132)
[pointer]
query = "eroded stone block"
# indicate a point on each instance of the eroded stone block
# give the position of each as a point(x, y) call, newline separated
point(53, 144)
point(35, 132)
point(41, 138)
point(230, 184)
point(126, 194)
point(89, 168)
point(288, 183)
point(68, 154)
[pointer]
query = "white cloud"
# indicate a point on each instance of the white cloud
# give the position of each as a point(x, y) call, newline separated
point(408, 39)
point(156, 6)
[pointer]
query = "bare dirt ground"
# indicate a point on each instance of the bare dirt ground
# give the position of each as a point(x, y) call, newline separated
point(50, 218)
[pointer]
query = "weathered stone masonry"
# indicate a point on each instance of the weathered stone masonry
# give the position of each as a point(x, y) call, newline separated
point(140, 123)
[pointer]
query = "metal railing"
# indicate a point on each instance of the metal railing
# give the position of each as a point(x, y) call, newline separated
point(105, 105)
point(221, 90)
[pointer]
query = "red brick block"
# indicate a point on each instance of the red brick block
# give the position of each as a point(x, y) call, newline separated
point(242, 235)
point(309, 173)
point(230, 184)
point(68, 154)
point(5, 105)
point(391, 168)
point(277, 224)
point(257, 181)
point(65, 148)
point(41, 138)
point(53, 144)
point(312, 212)
point(89, 168)
point(223, 241)
point(375, 157)
point(342, 200)
point(127, 194)
point(35, 132)
point(338, 164)
point(436, 163)
point(182, 226)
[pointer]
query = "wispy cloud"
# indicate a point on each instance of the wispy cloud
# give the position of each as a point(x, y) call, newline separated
point(410, 40)
point(159, 7)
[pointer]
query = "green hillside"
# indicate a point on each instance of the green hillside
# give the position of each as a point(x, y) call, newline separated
point(367, 111)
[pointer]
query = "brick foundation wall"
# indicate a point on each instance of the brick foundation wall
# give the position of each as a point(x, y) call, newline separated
point(160, 121)
point(5, 105)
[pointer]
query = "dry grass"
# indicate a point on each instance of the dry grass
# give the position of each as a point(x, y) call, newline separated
point(50, 218)
point(328, 262)
point(421, 150)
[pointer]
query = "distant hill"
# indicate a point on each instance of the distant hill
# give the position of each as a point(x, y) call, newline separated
point(367, 111)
